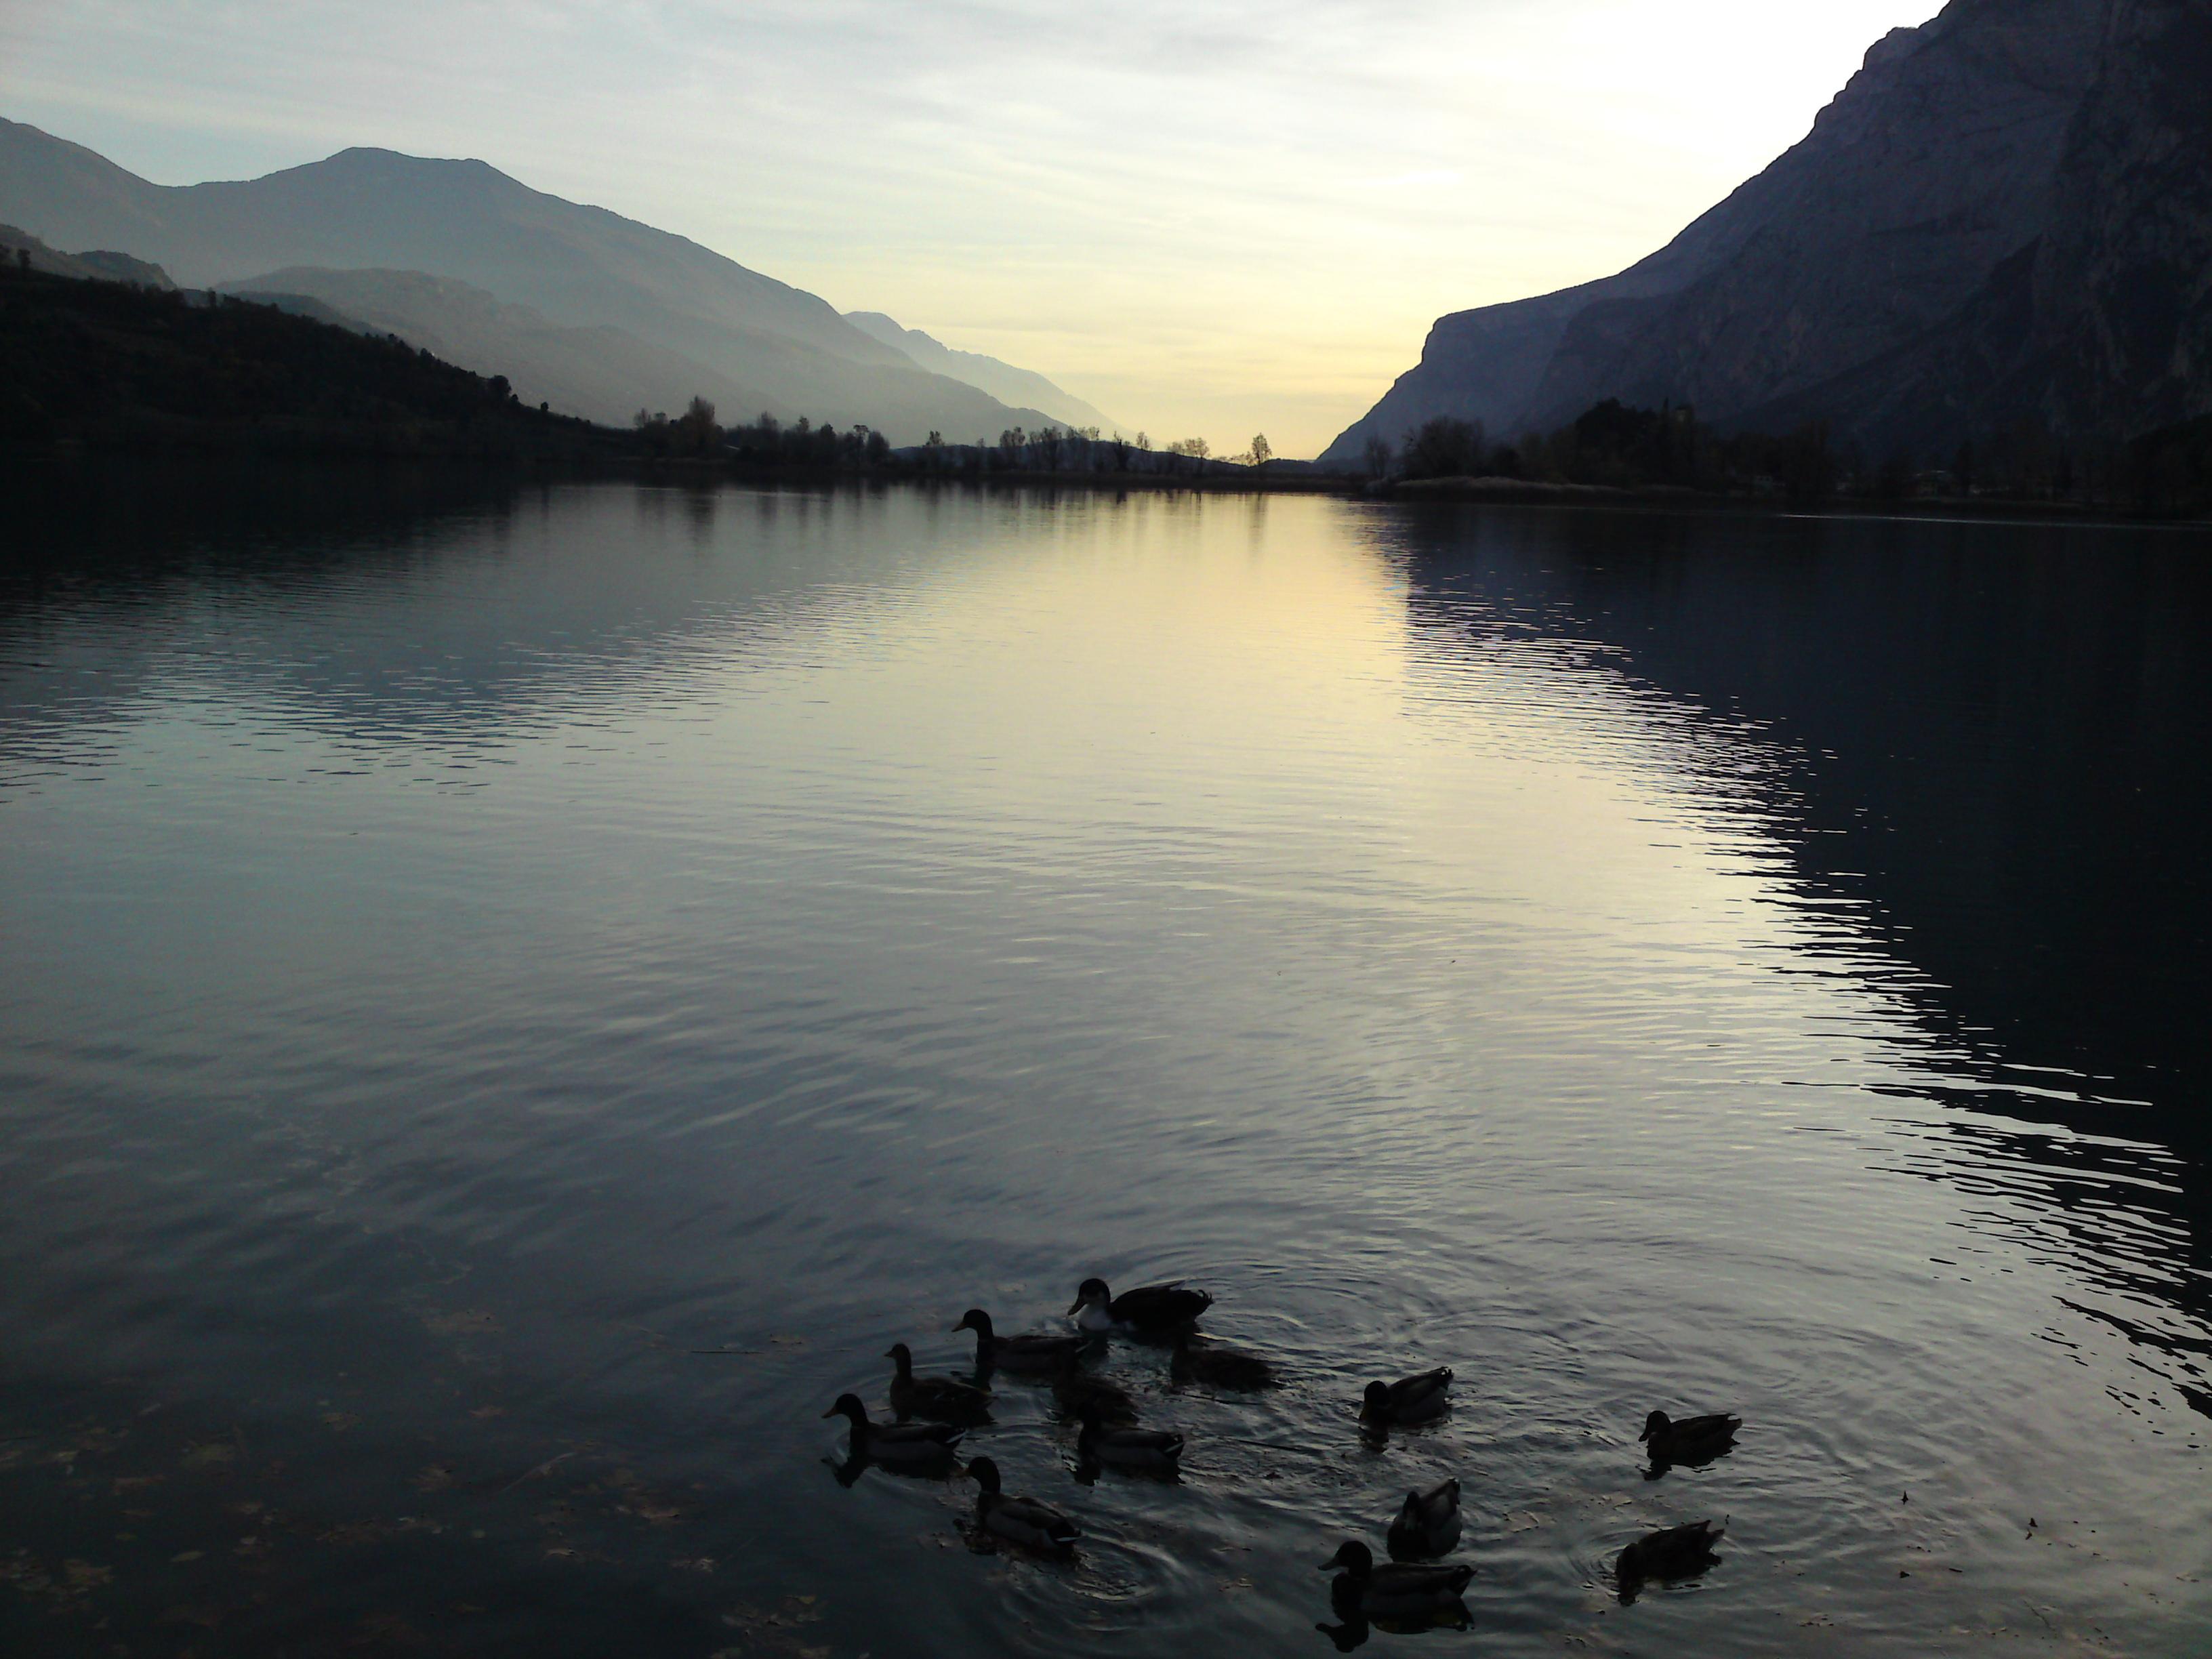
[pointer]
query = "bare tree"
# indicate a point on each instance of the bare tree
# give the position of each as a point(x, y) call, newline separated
point(1262, 451)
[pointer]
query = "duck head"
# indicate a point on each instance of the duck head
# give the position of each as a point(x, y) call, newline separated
point(985, 1473)
point(901, 1356)
point(1378, 1398)
point(1655, 1425)
point(849, 1406)
point(1354, 1557)
point(1091, 1294)
point(977, 1320)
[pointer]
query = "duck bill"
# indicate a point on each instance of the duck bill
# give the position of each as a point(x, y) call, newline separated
point(1076, 1306)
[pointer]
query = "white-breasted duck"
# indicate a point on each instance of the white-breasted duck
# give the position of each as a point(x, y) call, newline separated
point(1148, 1308)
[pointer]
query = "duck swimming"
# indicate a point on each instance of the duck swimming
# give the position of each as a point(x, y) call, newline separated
point(1020, 1520)
point(1410, 1400)
point(1077, 1392)
point(1149, 1308)
point(1692, 1440)
point(900, 1445)
point(1427, 1524)
point(1147, 1451)
point(1038, 1354)
point(1397, 1590)
point(1674, 1552)
point(1200, 1361)
point(939, 1399)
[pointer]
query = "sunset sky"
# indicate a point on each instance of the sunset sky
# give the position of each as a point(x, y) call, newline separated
point(1206, 219)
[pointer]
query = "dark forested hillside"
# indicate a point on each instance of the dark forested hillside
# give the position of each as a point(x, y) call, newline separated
point(114, 365)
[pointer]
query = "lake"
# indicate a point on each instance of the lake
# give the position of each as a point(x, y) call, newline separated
point(516, 995)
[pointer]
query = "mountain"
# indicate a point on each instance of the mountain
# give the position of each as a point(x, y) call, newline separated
point(2101, 328)
point(28, 252)
point(1002, 380)
point(128, 365)
point(1984, 222)
point(767, 345)
point(605, 372)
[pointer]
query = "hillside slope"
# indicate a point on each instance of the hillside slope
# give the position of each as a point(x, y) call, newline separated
point(1008, 383)
point(775, 347)
point(116, 364)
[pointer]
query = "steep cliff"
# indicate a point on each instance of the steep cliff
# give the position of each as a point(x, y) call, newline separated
point(1939, 163)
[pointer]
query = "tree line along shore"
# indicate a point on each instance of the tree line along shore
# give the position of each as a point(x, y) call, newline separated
point(119, 366)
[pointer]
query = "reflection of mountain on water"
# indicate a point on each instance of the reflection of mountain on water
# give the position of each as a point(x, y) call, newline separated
point(2003, 760)
point(451, 609)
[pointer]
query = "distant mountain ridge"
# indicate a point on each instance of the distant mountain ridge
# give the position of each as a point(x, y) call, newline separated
point(767, 345)
point(1008, 383)
point(1978, 230)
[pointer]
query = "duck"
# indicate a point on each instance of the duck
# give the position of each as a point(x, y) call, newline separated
point(1692, 1440)
point(1409, 1399)
point(1427, 1524)
point(1020, 1520)
point(1076, 1392)
point(939, 1399)
point(905, 1445)
point(1148, 1308)
point(1150, 1451)
point(1038, 1353)
point(1397, 1589)
point(1199, 1361)
point(1672, 1552)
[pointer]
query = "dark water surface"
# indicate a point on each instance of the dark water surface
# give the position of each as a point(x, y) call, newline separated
point(468, 948)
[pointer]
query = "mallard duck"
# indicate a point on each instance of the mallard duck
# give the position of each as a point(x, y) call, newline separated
point(1409, 1399)
point(907, 1445)
point(1199, 1361)
point(1674, 1552)
point(1152, 1451)
point(1395, 1590)
point(1038, 1353)
point(939, 1398)
point(1149, 1308)
point(1427, 1524)
point(1022, 1521)
point(1692, 1440)
point(1077, 1392)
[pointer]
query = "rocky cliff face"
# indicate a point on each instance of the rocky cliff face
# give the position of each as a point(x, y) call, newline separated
point(2121, 340)
point(1950, 156)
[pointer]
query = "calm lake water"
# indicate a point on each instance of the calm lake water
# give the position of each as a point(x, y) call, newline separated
point(470, 948)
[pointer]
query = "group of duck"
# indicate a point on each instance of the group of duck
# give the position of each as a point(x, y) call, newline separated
point(1414, 1589)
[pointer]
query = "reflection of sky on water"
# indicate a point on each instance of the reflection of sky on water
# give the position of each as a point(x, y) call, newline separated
point(1463, 924)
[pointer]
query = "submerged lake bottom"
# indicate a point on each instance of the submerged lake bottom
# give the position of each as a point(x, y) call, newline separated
point(518, 996)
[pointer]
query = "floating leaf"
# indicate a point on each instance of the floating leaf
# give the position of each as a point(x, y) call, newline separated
point(211, 1455)
point(436, 1477)
point(339, 1422)
point(84, 1575)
